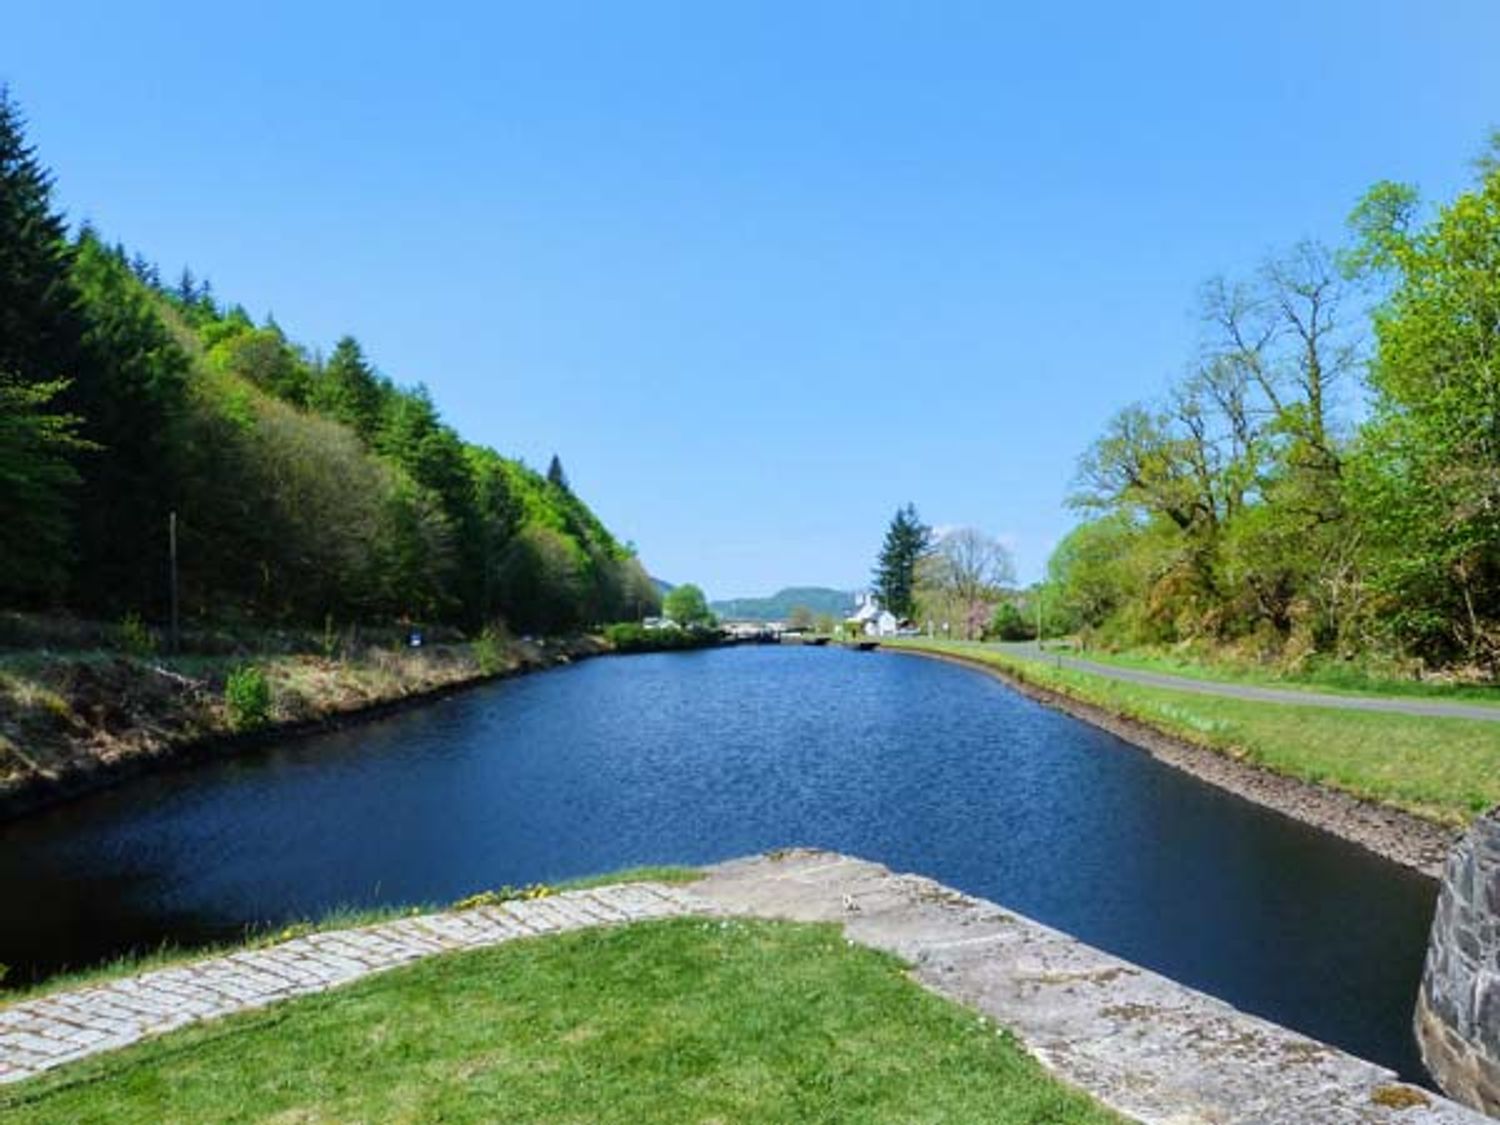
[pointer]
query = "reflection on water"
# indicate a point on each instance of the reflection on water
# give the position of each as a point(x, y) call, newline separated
point(694, 757)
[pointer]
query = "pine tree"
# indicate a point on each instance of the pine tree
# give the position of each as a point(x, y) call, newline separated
point(132, 393)
point(39, 321)
point(187, 288)
point(350, 390)
point(41, 330)
point(906, 541)
point(556, 475)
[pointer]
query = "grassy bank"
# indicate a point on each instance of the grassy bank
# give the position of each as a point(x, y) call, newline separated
point(1445, 770)
point(688, 1020)
point(69, 717)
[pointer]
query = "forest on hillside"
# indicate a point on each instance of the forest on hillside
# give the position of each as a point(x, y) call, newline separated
point(1324, 480)
point(306, 488)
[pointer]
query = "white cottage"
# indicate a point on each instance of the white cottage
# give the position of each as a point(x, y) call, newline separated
point(872, 619)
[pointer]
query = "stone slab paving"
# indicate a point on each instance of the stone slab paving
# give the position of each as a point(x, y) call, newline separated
point(47, 1032)
point(1151, 1049)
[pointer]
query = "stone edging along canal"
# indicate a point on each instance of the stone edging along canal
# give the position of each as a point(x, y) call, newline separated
point(1399, 836)
point(1146, 1046)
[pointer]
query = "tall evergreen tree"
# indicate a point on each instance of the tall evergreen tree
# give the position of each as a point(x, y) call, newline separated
point(40, 324)
point(133, 395)
point(350, 391)
point(556, 475)
point(40, 332)
point(907, 540)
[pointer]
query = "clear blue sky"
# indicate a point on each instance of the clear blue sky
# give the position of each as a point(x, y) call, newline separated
point(758, 272)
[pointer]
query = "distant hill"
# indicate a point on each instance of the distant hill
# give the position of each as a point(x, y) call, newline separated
point(662, 587)
point(778, 607)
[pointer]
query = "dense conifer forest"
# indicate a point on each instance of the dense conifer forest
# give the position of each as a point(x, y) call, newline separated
point(306, 488)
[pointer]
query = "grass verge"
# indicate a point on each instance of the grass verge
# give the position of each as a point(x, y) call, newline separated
point(684, 1020)
point(1446, 770)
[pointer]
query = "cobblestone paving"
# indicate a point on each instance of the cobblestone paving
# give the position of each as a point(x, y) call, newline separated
point(40, 1034)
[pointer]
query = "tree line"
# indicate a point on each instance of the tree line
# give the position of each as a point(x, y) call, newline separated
point(305, 487)
point(1324, 480)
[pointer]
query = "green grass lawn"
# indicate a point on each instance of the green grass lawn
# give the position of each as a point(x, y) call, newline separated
point(1447, 770)
point(688, 1020)
point(1331, 677)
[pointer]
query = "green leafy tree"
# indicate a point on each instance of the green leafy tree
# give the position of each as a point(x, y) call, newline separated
point(37, 479)
point(264, 356)
point(963, 577)
point(907, 541)
point(543, 582)
point(687, 606)
point(1007, 623)
point(1428, 469)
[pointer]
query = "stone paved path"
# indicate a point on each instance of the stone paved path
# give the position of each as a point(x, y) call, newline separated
point(1150, 1048)
point(40, 1034)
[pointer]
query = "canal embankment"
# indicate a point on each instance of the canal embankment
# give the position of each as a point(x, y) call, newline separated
point(74, 722)
point(1402, 786)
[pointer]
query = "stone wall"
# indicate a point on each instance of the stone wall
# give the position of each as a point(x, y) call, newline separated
point(1458, 1010)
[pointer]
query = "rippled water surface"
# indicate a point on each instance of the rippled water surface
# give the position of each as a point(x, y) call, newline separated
point(689, 758)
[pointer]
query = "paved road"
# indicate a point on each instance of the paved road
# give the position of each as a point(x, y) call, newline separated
point(1399, 705)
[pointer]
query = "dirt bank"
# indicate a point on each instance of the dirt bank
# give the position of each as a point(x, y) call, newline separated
point(74, 723)
point(1393, 833)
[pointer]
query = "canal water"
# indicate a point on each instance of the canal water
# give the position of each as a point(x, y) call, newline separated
point(696, 757)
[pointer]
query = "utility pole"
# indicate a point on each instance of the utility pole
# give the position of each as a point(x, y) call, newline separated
point(172, 553)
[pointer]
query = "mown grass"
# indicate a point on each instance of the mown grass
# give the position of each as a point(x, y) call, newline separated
point(685, 1020)
point(339, 918)
point(1331, 677)
point(1446, 770)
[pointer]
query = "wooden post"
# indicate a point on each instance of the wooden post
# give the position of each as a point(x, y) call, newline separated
point(172, 552)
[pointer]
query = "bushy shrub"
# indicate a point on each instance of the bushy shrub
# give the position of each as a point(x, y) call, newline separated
point(489, 650)
point(247, 698)
point(135, 636)
point(627, 636)
point(1008, 624)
